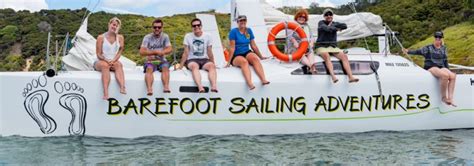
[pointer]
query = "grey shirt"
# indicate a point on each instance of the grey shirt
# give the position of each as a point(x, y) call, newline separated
point(152, 42)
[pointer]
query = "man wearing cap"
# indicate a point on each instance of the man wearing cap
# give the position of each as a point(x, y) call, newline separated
point(326, 44)
point(436, 62)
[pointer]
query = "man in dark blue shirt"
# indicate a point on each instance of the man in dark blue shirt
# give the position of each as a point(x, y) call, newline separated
point(326, 44)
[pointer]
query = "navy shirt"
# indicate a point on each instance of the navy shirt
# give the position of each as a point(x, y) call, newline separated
point(327, 34)
point(433, 56)
point(242, 41)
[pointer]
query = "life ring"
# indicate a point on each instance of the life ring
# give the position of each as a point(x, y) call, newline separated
point(273, 48)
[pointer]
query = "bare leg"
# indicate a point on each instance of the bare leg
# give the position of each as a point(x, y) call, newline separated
point(211, 68)
point(443, 78)
point(253, 59)
point(451, 85)
point(149, 80)
point(119, 76)
point(194, 67)
point(165, 78)
point(327, 60)
point(345, 64)
point(105, 70)
point(241, 62)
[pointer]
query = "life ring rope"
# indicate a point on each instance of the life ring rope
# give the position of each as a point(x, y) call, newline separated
point(303, 46)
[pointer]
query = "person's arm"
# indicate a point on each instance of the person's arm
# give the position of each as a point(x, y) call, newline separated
point(210, 54)
point(446, 64)
point(98, 47)
point(168, 49)
point(254, 47)
point(231, 51)
point(184, 57)
point(340, 26)
point(146, 52)
point(121, 47)
point(326, 28)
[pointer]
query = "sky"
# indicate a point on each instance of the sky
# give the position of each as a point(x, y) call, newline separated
point(155, 8)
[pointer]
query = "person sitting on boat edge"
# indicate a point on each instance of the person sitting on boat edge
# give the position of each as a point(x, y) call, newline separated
point(436, 62)
point(240, 39)
point(326, 44)
point(109, 48)
point(198, 55)
point(155, 47)
point(301, 17)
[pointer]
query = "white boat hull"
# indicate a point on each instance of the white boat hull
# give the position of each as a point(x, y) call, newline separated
point(311, 103)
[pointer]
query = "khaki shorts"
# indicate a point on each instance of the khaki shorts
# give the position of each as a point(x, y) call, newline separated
point(328, 49)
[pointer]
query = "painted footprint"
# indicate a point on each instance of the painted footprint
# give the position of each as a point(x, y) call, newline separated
point(73, 101)
point(35, 100)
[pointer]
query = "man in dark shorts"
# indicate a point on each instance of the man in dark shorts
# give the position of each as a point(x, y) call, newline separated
point(155, 47)
point(198, 55)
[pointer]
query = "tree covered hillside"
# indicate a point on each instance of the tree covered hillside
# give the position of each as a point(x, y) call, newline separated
point(23, 35)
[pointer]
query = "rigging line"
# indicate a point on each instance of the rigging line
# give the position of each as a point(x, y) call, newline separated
point(400, 44)
point(372, 65)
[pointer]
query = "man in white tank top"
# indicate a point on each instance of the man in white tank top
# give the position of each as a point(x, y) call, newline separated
point(198, 55)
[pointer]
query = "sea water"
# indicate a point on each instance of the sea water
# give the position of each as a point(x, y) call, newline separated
point(455, 147)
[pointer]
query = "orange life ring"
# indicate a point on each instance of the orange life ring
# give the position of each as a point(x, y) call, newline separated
point(273, 48)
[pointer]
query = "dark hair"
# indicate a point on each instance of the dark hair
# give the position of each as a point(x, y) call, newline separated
point(157, 21)
point(196, 19)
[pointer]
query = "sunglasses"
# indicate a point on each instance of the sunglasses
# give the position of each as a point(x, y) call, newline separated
point(196, 25)
point(329, 14)
point(157, 27)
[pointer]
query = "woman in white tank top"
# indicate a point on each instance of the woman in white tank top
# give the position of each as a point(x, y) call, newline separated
point(109, 48)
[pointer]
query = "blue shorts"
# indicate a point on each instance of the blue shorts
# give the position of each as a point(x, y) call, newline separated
point(156, 66)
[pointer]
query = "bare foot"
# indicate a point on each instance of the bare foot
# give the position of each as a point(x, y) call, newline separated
point(452, 103)
point(353, 79)
point(252, 87)
point(106, 97)
point(201, 89)
point(123, 91)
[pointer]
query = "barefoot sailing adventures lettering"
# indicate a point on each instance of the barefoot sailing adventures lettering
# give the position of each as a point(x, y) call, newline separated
point(267, 105)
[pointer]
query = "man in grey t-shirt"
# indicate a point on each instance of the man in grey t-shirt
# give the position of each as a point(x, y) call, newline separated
point(155, 47)
point(198, 55)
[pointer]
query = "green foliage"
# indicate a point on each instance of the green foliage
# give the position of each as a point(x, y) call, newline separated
point(12, 63)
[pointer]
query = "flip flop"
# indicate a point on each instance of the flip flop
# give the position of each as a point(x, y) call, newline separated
point(149, 94)
point(252, 88)
point(214, 90)
point(266, 83)
point(166, 91)
point(335, 81)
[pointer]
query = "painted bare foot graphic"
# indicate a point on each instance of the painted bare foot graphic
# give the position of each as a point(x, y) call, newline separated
point(73, 101)
point(35, 99)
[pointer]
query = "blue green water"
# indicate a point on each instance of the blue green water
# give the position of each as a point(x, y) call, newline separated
point(454, 147)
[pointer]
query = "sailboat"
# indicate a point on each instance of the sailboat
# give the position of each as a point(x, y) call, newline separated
point(393, 93)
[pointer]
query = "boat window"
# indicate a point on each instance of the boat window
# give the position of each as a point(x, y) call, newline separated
point(358, 68)
point(192, 89)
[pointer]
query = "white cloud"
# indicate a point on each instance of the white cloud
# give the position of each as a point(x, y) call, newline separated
point(128, 3)
point(302, 3)
point(31, 5)
point(119, 11)
point(224, 9)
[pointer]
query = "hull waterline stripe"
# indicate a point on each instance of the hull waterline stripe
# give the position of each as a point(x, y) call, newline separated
point(318, 119)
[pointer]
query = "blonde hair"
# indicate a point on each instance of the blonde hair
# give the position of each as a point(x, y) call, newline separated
point(119, 23)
